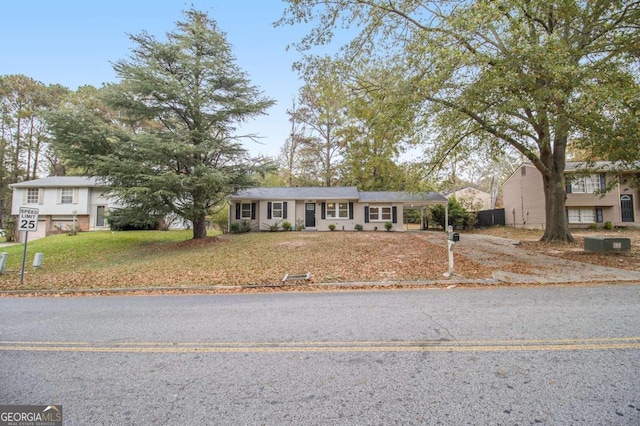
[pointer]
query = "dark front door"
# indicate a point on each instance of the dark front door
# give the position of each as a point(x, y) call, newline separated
point(626, 207)
point(310, 215)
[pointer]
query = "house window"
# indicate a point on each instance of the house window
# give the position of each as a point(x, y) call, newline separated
point(338, 210)
point(33, 196)
point(581, 215)
point(380, 214)
point(245, 210)
point(599, 216)
point(277, 209)
point(586, 184)
point(66, 196)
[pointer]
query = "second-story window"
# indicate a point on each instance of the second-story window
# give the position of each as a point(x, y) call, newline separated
point(33, 196)
point(66, 196)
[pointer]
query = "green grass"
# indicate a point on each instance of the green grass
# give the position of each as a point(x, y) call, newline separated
point(93, 250)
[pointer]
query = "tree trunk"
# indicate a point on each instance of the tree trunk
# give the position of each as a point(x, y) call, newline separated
point(199, 228)
point(557, 227)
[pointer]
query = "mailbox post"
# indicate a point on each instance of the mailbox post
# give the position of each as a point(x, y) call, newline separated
point(452, 239)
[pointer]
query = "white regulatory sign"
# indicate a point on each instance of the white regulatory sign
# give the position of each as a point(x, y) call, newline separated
point(28, 219)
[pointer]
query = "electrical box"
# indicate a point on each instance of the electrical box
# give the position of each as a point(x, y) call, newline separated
point(606, 244)
point(38, 260)
point(3, 261)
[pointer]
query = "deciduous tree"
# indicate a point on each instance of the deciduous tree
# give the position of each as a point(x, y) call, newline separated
point(531, 74)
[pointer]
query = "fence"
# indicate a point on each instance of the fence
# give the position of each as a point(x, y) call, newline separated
point(487, 218)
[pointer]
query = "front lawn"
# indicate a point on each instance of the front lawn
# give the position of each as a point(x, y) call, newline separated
point(169, 258)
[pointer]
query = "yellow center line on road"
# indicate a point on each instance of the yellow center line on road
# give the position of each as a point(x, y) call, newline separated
point(334, 346)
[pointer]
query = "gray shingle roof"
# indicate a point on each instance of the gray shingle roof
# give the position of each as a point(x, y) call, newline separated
point(339, 193)
point(297, 193)
point(61, 181)
point(402, 197)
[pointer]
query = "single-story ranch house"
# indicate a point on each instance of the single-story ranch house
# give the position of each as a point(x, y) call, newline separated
point(315, 208)
point(586, 202)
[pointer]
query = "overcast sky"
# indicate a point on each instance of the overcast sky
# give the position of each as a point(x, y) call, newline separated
point(75, 42)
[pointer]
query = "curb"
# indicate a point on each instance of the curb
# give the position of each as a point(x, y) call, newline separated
point(446, 284)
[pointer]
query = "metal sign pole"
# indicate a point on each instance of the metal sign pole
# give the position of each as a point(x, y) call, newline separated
point(27, 221)
point(24, 256)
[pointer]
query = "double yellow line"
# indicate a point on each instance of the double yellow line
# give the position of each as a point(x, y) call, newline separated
point(588, 344)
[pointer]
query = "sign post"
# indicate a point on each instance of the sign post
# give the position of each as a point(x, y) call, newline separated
point(27, 221)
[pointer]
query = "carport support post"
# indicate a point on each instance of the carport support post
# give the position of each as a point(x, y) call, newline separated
point(24, 256)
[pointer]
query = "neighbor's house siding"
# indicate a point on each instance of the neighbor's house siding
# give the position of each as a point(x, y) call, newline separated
point(523, 193)
point(523, 198)
point(55, 215)
point(472, 197)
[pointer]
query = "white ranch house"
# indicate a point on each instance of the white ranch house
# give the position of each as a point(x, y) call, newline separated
point(315, 208)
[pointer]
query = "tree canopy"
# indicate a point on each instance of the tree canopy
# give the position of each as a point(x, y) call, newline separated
point(534, 75)
point(167, 138)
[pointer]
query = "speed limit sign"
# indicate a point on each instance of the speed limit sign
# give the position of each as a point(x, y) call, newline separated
point(28, 219)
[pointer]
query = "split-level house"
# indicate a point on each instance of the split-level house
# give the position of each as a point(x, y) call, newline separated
point(315, 208)
point(593, 197)
point(62, 201)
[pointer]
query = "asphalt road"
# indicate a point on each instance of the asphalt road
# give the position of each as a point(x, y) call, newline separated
point(498, 356)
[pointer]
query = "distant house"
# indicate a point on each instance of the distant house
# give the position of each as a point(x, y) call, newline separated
point(60, 199)
point(524, 202)
point(471, 198)
point(315, 208)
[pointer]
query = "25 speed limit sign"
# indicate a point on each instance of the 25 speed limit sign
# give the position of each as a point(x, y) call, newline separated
point(28, 219)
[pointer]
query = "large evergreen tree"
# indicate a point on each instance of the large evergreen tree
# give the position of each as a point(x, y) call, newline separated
point(173, 146)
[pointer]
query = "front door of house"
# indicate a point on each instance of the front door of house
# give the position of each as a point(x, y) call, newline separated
point(626, 207)
point(310, 215)
point(100, 215)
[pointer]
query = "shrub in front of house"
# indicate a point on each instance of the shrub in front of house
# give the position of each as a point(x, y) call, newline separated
point(132, 219)
point(358, 227)
point(388, 226)
point(240, 227)
point(332, 227)
point(273, 227)
point(286, 225)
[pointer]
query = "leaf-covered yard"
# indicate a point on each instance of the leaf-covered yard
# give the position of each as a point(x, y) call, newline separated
point(253, 258)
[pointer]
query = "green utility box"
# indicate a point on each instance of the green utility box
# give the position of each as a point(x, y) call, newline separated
point(606, 244)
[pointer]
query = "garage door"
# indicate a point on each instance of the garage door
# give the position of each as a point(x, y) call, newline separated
point(40, 233)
